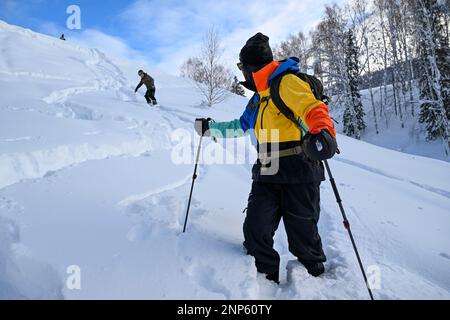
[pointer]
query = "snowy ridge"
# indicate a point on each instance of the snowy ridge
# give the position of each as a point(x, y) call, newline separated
point(87, 179)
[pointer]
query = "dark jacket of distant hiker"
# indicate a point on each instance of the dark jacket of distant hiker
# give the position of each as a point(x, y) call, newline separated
point(148, 81)
point(151, 90)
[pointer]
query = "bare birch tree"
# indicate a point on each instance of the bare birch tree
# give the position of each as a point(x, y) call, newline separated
point(210, 76)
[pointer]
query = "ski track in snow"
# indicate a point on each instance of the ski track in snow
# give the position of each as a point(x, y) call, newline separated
point(30, 164)
point(103, 81)
point(165, 208)
point(163, 189)
point(427, 188)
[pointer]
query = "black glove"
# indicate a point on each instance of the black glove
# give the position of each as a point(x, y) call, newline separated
point(201, 125)
point(319, 145)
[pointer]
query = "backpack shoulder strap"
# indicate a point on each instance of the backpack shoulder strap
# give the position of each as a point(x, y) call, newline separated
point(278, 101)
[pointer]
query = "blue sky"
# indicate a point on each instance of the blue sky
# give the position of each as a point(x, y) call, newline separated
point(165, 33)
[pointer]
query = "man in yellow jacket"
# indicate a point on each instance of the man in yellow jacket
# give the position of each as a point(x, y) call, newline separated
point(292, 191)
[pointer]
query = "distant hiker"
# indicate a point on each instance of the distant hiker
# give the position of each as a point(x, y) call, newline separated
point(62, 37)
point(293, 192)
point(150, 84)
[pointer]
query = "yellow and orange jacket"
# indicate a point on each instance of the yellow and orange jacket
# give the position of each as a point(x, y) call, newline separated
point(261, 118)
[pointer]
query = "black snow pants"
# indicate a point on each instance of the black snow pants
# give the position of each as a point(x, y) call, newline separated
point(150, 95)
point(299, 206)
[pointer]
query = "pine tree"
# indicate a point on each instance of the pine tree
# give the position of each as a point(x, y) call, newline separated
point(433, 54)
point(443, 54)
point(354, 114)
point(237, 88)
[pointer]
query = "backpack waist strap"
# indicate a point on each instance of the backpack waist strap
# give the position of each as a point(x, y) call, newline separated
point(266, 157)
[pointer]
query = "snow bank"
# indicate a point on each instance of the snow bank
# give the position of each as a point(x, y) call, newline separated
point(36, 164)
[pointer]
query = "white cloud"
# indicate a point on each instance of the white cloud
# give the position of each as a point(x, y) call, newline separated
point(172, 30)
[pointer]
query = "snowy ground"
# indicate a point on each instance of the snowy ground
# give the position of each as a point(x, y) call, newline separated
point(87, 179)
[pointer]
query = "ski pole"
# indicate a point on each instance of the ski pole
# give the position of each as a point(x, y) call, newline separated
point(304, 128)
point(194, 177)
point(347, 225)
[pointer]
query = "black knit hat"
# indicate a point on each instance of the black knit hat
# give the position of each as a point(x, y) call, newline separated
point(256, 51)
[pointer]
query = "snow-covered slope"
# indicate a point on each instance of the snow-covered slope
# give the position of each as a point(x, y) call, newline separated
point(87, 179)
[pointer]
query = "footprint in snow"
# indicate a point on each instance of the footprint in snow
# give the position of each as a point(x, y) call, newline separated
point(163, 210)
point(206, 277)
point(10, 206)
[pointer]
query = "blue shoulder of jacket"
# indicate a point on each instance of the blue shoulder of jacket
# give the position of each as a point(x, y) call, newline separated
point(290, 64)
point(248, 116)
